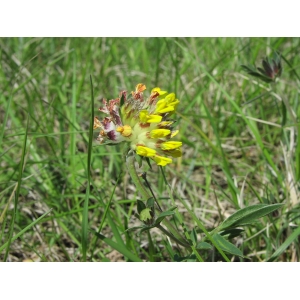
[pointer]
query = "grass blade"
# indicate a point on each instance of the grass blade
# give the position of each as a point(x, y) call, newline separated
point(287, 242)
point(84, 240)
point(247, 215)
point(16, 200)
point(227, 246)
point(25, 229)
point(120, 248)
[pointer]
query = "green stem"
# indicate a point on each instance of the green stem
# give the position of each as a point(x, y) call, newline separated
point(172, 231)
point(135, 177)
point(170, 235)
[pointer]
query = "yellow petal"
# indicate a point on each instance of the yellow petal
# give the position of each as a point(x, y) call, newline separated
point(145, 151)
point(165, 124)
point(163, 109)
point(170, 145)
point(159, 91)
point(174, 133)
point(146, 118)
point(159, 133)
point(170, 98)
point(125, 130)
point(161, 160)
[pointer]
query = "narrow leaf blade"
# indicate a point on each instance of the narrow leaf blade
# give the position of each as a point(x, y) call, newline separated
point(120, 248)
point(163, 215)
point(248, 214)
point(227, 246)
point(287, 242)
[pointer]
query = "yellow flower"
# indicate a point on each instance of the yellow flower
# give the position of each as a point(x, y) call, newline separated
point(146, 118)
point(159, 91)
point(170, 145)
point(125, 130)
point(161, 160)
point(145, 151)
point(159, 133)
point(142, 122)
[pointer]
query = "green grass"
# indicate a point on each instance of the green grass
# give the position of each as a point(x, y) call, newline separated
point(65, 198)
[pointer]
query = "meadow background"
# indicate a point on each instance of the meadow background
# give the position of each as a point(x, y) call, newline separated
point(239, 134)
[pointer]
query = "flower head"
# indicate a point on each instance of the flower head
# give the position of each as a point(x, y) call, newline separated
point(142, 122)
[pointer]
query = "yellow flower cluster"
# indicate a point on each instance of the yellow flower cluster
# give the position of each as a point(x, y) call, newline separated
point(144, 123)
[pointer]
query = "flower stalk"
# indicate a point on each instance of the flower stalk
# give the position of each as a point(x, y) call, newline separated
point(171, 231)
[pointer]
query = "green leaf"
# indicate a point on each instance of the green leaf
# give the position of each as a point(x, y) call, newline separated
point(148, 162)
point(140, 206)
point(150, 202)
point(283, 109)
point(253, 72)
point(204, 246)
point(249, 69)
point(248, 215)
point(119, 248)
point(172, 208)
point(179, 258)
point(227, 246)
point(25, 229)
point(139, 160)
point(16, 198)
point(232, 232)
point(122, 100)
point(193, 236)
point(145, 215)
point(287, 242)
point(145, 229)
point(134, 228)
point(163, 215)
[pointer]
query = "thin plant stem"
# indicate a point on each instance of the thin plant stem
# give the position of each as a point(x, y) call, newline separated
point(149, 187)
point(166, 232)
point(172, 233)
point(130, 160)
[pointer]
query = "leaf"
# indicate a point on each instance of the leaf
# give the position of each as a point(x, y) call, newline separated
point(145, 229)
point(150, 202)
point(148, 162)
point(140, 206)
point(249, 69)
point(25, 229)
point(204, 246)
point(145, 215)
point(283, 109)
point(179, 258)
point(172, 208)
point(163, 215)
point(193, 236)
point(248, 215)
point(287, 242)
point(139, 160)
point(227, 246)
point(253, 72)
point(134, 228)
point(122, 100)
point(120, 248)
point(232, 232)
